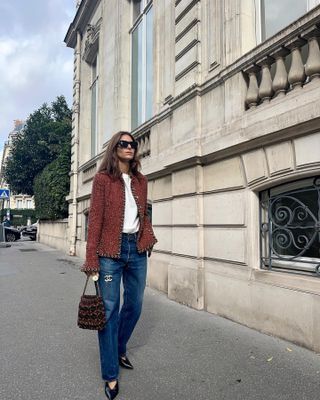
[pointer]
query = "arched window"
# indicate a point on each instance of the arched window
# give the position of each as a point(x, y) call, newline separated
point(290, 227)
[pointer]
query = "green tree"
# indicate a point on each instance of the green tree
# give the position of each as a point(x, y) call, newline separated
point(51, 187)
point(47, 132)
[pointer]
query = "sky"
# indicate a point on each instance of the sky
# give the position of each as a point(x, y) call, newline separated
point(35, 64)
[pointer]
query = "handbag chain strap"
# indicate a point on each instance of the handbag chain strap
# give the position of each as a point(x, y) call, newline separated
point(95, 284)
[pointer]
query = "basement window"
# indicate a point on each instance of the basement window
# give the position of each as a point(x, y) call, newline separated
point(290, 227)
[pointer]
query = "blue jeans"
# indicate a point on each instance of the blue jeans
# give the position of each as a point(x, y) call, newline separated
point(132, 268)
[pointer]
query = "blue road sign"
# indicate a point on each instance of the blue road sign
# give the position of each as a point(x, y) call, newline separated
point(4, 193)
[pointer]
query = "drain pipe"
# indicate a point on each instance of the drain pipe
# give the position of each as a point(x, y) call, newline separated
point(74, 172)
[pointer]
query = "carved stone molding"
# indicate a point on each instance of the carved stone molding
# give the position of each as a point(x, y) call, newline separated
point(92, 42)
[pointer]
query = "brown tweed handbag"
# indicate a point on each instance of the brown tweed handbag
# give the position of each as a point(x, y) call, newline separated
point(91, 312)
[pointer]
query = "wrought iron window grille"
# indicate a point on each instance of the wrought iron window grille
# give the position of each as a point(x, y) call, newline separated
point(290, 228)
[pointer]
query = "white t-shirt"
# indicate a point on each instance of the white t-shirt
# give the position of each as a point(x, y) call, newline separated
point(131, 218)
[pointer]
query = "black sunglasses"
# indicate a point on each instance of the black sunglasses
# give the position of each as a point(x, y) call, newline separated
point(124, 144)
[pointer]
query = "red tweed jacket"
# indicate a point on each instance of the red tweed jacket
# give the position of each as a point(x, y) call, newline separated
point(106, 218)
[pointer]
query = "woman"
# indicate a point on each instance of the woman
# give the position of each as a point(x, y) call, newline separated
point(119, 237)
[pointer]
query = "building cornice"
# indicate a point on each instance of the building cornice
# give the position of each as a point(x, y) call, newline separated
point(83, 15)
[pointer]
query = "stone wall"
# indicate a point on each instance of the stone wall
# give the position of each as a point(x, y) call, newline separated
point(54, 234)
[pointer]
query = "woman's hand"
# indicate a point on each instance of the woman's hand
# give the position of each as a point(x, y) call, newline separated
point(94, 275)
point(149, 252)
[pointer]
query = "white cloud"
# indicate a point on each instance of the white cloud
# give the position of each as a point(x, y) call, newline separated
point(35, 65)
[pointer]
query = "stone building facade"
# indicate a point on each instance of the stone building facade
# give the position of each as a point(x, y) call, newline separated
point(16, 201)
point(223, 98)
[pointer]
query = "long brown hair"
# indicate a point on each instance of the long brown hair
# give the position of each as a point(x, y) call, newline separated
point(110, 161)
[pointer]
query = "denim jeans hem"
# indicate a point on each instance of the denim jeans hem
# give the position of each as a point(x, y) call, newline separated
point(121, 353)
point(110, 379)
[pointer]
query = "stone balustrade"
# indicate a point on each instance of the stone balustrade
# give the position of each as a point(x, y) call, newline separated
point(89, 172)
point(144, 144)
point(283, 68)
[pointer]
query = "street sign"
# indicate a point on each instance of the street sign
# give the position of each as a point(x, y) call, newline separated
point(4, 193)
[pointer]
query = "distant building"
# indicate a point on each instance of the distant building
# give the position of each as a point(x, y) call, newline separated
point(224, 100)
point(17, 201)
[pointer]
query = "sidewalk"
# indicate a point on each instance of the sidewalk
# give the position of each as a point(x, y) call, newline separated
point(178, 353)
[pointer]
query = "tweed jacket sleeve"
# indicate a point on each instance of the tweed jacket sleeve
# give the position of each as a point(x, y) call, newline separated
point(147, 223)
point(96, 214)
point(148, 226)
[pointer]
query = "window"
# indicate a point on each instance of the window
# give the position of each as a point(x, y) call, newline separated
point(94, 106)
point(19, 203)
point(142, 63)
point(274, 15)
point(29, 203)
point(290, 220)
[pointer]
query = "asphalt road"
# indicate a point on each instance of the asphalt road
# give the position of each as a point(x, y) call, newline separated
point(178, 353)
